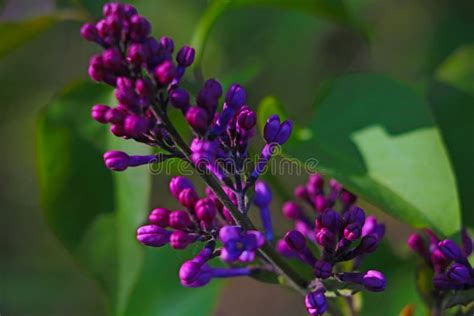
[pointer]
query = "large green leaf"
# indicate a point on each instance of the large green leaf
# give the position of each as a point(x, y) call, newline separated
point(378, 138)
point(95, 213)
point(454, 113)
point(14, 34)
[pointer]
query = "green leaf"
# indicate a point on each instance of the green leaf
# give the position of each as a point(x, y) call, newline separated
point(14, 34)
point(458, 69)
point(95, 213)
point(454, 112)
point(378, 138)
point(332, 10)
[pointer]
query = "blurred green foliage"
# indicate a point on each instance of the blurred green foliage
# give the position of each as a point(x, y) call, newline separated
point(401, 138)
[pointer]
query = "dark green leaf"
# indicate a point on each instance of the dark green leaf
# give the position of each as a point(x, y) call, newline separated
point(454, 113)
point(333, 10)
point(458, 69)
point(378, 138)
point(14, 34)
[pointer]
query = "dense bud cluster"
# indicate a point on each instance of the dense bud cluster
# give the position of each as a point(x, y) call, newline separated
point(147, 79)
point(452, 270)
point(345, 235)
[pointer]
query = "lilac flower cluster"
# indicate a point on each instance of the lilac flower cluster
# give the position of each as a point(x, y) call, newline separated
point(203, 220)
point(147, 80)
point(452, 270)
point(341, 236)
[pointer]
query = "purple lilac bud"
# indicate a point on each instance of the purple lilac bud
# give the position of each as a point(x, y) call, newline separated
point(352, 232)
point(295, 240)
point(316, 302)
point(194, 274)
point(347, 198)
point(355, 215)
point(119, 161)
point(136, 126)
point(330, 220)
point(153, 235)
point(263, 194)
point(206, 210)
point(118, 130)
point(325, 238)
point(115, 116)
point(209, 95)
point(167, 44)
point(188, 197)
point(90, 33)
point(198, 119)
point(417, 244)
point(178, 184)
point(292, 210)
point(374, 281)
point(320, 203)
point(451, 250)
point(185, 56)
point(246, 120)
point(180, 220)
point(98, 113)
point(160, 216)
point(165, 72)
point(136, 54)
point(369, 243)
point(274, 132)
point(322, 269)
point(204, 152)
point(301, 192)
point(179, 98)
point(180, 239)
point(112, 59)
point(140, 28)
point(235, 97)
point(285, 250)
point(315, 184)
point(459, 274)
point(439, 260)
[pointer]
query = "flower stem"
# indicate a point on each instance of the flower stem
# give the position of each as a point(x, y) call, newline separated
point(267, 250)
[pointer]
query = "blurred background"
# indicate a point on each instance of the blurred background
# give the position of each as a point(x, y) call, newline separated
point(285, 53)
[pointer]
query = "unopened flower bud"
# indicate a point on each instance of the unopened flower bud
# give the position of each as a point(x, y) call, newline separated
point(116, 160)
point(180, 220)
point(98, 113)
point(322, 269)
point(180, 239)
point(188, 197)
point(295, 240)
point(292, 210)
point(90, 33)
point(374, 281)
point(140, 28)
point(235, 97)
point(153, 235)
point(178, 184)
point(185, 56)
point(160, 216)
point(197, 118)
point(179, 98)
point(165, 72)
